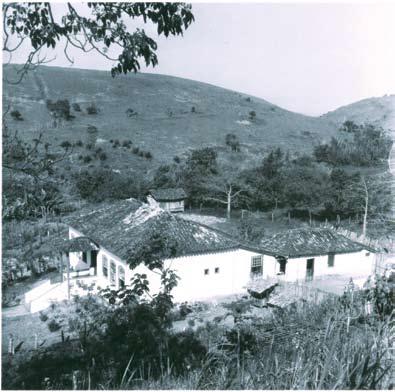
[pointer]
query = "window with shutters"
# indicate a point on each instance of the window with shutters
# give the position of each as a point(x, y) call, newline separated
point(105, 266)
point(113, 269)
point(121, 277)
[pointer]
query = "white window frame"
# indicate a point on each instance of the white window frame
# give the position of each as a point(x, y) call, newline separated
point(257, 263)
point(121, 276)
point(105, 266)
point(112, 274)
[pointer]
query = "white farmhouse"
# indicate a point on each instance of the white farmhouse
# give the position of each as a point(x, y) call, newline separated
point(209, 263)
point(170, 199)
point(306, 253)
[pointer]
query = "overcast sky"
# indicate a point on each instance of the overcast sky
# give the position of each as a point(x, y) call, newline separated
point(309, 58)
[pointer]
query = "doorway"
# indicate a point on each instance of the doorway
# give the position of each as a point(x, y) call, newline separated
point(310, 269)
point(94, 260)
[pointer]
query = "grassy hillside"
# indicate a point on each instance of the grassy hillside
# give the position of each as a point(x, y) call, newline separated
point(380, 111)
point(165, 124)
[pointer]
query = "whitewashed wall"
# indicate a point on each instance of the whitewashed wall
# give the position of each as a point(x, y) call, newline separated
point(234, 274)
point(234, 271)
point(172, 205)
point(346, 264)
point(231, 278)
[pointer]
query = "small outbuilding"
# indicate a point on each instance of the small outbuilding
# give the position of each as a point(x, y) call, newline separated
point(169, 199)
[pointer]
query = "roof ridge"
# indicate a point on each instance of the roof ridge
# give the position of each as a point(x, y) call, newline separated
point(241, 244)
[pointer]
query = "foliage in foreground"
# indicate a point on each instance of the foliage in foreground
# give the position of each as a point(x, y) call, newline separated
point(341, 343)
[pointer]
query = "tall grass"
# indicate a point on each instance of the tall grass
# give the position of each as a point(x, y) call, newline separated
point(335, 344)
point(310, 347)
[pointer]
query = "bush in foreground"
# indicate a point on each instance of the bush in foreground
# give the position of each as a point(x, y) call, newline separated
point(335, 344)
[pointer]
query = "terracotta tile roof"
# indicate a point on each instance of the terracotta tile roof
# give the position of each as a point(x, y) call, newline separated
point(77, 244)
point(310, 242)
point(122, 225)
point(168, 194)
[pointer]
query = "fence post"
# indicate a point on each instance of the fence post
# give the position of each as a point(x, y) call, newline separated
point(11, 345)
point(75, 380)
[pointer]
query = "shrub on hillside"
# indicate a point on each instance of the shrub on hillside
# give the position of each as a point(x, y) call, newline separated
point(92, 109)
point(16, 115)
point(116, 143)
point(252, 115)
point(232, 141)
point(59, 109)
point(76, 107)
point(102, 156)
point(91, 135)
point(79, 143)
point(130, 112)
point(127, 143)
point(66, 145)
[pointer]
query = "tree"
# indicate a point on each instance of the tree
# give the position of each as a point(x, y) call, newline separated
point(252, 114)
point(104, 31)
point(101, 184)
point(91, 135)
point(232, 141)
point(225, 188)
point(203, 160)
point(364, 145)
point(349, 126)
point(198, 168)
point(370, 195)
point(153, 249)
point(167, 176)
point(92, 109)
point(305, 184)
point(251, 229)
point(59, 109)
point(269, 180)
point(34, 159)
point(24, 198)
point(338, 195)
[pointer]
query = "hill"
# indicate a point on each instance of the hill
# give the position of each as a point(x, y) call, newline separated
point(173, 114)
point(379, 111)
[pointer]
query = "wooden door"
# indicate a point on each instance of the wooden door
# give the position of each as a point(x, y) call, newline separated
point(309, 269)
point(94, 259)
